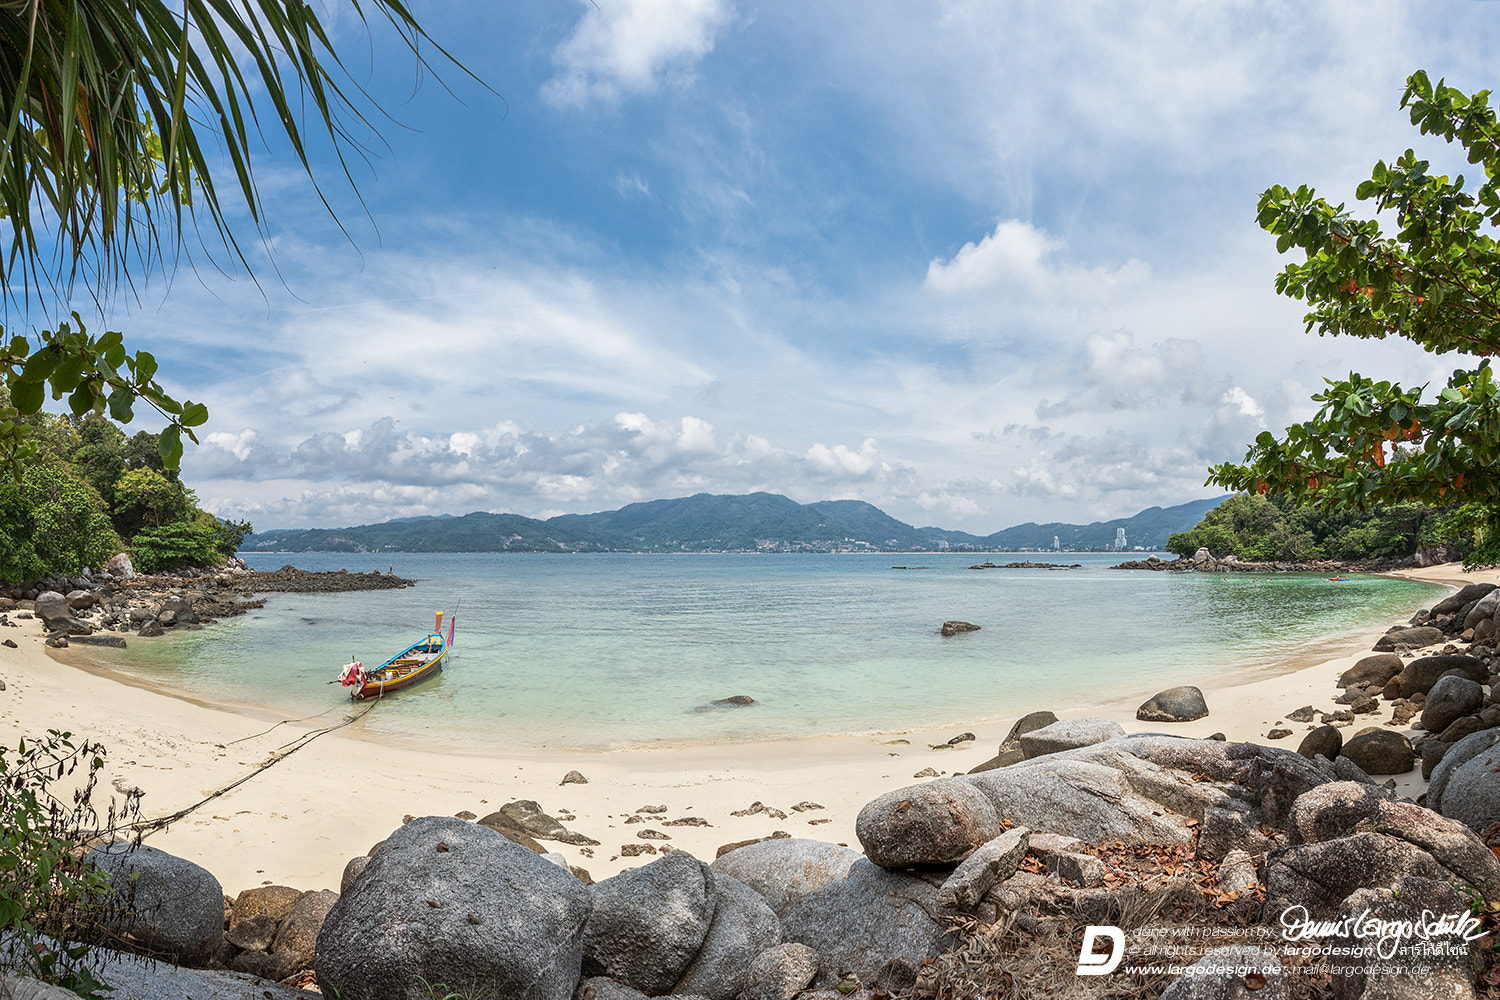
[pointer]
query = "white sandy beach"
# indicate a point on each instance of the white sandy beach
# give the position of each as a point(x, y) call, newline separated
point(298, 822)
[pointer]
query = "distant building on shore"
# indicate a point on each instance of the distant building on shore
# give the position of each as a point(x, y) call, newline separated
point(1119, 539)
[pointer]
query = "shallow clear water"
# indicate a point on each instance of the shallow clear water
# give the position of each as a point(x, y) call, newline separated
point(598, 650)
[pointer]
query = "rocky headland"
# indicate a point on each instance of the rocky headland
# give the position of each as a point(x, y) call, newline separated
point(1204, 561)
point(100, 607)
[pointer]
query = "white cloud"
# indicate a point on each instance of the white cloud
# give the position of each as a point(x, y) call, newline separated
point(626, 47)
point(1244, 403)
point(1019, 257)
point(841, 460)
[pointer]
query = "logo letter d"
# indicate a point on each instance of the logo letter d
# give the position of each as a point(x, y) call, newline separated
point(1091, 964)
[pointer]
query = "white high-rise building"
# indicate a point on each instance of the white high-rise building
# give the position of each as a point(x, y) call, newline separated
point(1119, 539)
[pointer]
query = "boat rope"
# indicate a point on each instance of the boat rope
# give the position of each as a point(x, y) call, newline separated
point(144, 828)
point(283, 722)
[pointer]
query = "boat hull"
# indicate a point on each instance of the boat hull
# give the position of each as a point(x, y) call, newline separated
point(394, 674)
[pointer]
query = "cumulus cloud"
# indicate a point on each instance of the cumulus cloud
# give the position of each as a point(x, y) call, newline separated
point(1018, 257)
point(628, 47)
point(505, 467)
point(1110, 374)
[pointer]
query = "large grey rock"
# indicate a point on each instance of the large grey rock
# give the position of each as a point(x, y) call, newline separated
point(1326, 741)
point(648, 923)
point(1086, 799)
point(169, 904)
point(1418, 676)
point(786, 869)
point(780, 973)
point(1026, 724)
point(15, 987)
point(147, 979)
point(52, 606)
point(1444, 960)
point(1330, 811)
point(352, 871)
point(1347, 770)
point(274, 901)
point(1226, 829)
point(454, 903)
point(120, 567)
point(1068, 735)
point(1463, 595)
point(1333, 811)
point(931, 823)
point(1457, 755)
point(255, 934)
point(1178, 704)
point(1484, 608)
point(993, 862)
point(1470, 791)
point(1412, 638)
point(742, 928)
point(863, 920)
point(1268, 776)
point(1221, 975)
point(1319, 877)
point(1376, 669)
point(299, 931)
point(1382, 752)
point(82, 600)
point(1450, 699)
point(604, 988)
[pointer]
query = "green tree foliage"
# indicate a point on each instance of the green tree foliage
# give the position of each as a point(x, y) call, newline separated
point(228, 535)
point(48, 897)
point(1277, 528)
point(71, 528)
point(1435, 282)
point(172, 546)
point(90, 487)
point(144, 497)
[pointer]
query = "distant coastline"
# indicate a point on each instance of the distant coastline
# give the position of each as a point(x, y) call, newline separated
point(756, 522)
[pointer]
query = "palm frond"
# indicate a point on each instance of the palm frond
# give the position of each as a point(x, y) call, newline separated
point(113, 106)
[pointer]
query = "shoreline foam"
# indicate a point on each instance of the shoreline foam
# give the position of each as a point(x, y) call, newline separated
point(300, 821)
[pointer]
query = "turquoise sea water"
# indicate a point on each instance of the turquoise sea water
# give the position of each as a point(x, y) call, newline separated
point(601, 650)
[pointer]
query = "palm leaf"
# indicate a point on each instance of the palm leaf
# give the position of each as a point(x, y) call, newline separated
point(111, 107)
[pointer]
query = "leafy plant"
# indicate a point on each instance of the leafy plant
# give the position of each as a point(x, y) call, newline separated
point(1435, 282)
point(50, 900)
point(172, 546)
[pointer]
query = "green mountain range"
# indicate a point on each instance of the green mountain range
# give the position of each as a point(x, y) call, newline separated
point(757, 522)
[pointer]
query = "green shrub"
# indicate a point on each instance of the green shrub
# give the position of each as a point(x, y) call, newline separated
point(172, 546)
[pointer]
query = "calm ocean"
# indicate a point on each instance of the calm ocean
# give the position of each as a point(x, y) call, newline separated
point(601, 650)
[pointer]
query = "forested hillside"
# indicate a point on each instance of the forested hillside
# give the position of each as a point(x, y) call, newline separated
point(764, 522)
point(93, 492)
point(1265, 528)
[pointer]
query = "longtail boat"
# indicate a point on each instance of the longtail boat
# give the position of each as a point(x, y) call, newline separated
point(416, 662)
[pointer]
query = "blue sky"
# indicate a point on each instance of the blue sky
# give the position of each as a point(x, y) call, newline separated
point(976, 263)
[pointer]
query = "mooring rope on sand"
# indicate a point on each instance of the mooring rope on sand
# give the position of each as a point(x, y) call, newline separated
point(281, 753)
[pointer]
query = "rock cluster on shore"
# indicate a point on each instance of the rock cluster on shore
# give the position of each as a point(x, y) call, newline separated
point(1068, 833)
point(98, 607)
point(1204, 561)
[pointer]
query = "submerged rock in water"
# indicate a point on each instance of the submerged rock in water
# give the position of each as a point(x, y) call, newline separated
point(955, 627)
